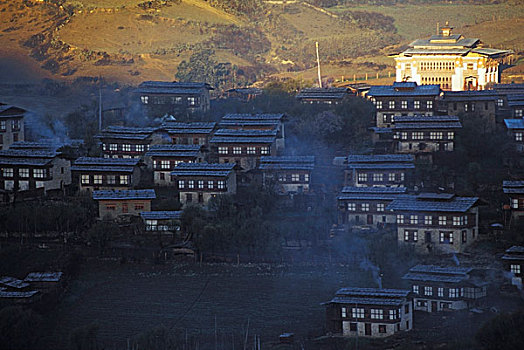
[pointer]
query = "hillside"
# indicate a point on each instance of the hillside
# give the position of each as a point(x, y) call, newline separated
point(135, 40)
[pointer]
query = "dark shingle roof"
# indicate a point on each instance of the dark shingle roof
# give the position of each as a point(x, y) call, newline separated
point(244, 136)
point(27, 157)
point(323, 93)
point(203, 169)
point(516, 187)
point(105, 164)
point(404, 90)
point(371, 193)
point(434, 273)
point(178, 88)
point(123, 194)
point(455, 204)
point(259, 116)
point(427, 122)
point(161, 215)
point(370, 296)
point(381, 161)
point(127, 133)
point(174, 151)
point(287, 163)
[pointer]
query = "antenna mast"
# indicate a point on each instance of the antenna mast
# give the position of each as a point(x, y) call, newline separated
point(318, 65)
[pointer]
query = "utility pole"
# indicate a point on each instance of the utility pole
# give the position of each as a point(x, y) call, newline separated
point(99, 104)
point(318, 66)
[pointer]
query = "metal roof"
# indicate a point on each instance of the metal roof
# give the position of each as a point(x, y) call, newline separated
point(125, 132)
point(515, 187)
point(404, 90)
point(245, 133)
point(107, 161)
point(442, 51)
point(323, 93)
point(434, 269)
point(203, 169)
point(425, 118)
point(434, 277)
point(175, 84)
point(123, 194)
point(13, 282)
point(514, 123)
point(259, 116)
point(177, 88)
point(380, 158)
point(515, 249)
point(414, 204)
point(43, 277)
point(192, 125)
point(28, 294)
point(376, 190)
point(161, 215)
point(28, 153)
point(371, 193)
point(240, 122)
point(174, 151)
point(373, 292)
point(366, 301)
point(426, 122)
point(515, 100)
point(261, 140)
point(9, 111)
point(287, 163)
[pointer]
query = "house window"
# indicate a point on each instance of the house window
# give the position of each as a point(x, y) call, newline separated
point(428, 220)
point(435, 135)
point(515, 203)
point(451, 135)
point(295, 177)
point(237, 150)
point(113, 147)
point(518, 113)
point(378, 104)
point(164, 164)
point(518, 136)
point(97, 179)
point(352, 207)
point(393, 314)
point(200, 184)
point(391, 104)
point(222, 150)
point(442, 220)
point(210, 184)
point(191, 184)
point(2, 125)
point(464, 236)
point(500, 102)
point(124, 179)
point(404, 104)
point(344, 312)
point(429, 104)
point(251, 150)
point(416, 104)
point(144, 99)
point(457, 220)
point(221, 185)
point(23, 172)
point(415, 289)
point(382, 328)
point(380, 207)
point(181, 184)
point(365, 206)
point(404, 135)
point(440, 292)
point(126, 147)
point(413, 219)
point(189, 197)
point(264, 150)
point(110, 207)
point(446, 237)
point(84, 179)
point(357, 312)
point(362, 177)
point(306, 177)
point(39, 173)
point(377, 314)
point(15, 125)
point(377, 177)
point(140, 148)
point(400, 219)
point(453, 293)
point(428, 290)
point(417, 135)
point(111, 179)
point(515, 269)
point(391, 177)
point(191, 101)
point(151, 225)
point(139, 206)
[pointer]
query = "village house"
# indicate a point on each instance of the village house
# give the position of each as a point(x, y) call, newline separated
point(199, 182)
point(164, 97)
point(163, 158)
point(513, 101)
point(129, 142)
point(369, 312)
point(264, 121)
point(382, 170)
point(513, 261)
point(516, 105)
point(116, 203)
point(243, 147)
point(438, 288)
point(516, 130)
point(482, 106)
point(424, 135)
point(402, 99)
point(433, 222)
point(32, 169)
point(106, 173)
point(367, 205)
point(454, 62)
point(244, 94)
point(165, 222)
point(11, 125)
point(195, 133)
point(330, 95)
point(514, 190)
point(287, 174)
point(356, 89)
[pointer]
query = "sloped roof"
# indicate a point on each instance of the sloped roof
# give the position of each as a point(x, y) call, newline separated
point(10, 111)
point(403, 89)
point(123, 194)
point(426, 122)
point(172, 150)
point(323, 93)
point(203, 169)
point(105, 164)
point(126, 132)
point(161, 215)
point(370, 296)
point(43, 276)
point(381, 161)
point(178, 88)
point(514, 123)
point(513, 187)
point(27, 157)
point(371, 193)
point(244, 136)
point(433, 273)
point(257, 116)
point(414, 204)
point(287, 163)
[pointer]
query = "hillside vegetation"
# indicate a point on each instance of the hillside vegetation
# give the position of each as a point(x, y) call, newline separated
point(135, 40)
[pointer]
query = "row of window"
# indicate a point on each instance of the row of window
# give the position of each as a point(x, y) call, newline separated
point(125, 207)
point(294, 177)
point(444, 237)
point(421, 135)
point(104, 179)
point(428, 291)
point(15, 125)
point(430, 220)
point(166, 164)
point(375, 314)
point(201, 184)
point(114, 147)
point(177, 100)
point(243, 150)
point(379, 177)
point(403, 104)
point(179, 140)
point(25, 173)
point(365, 207)
point(438, 65)
point(153, 225)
